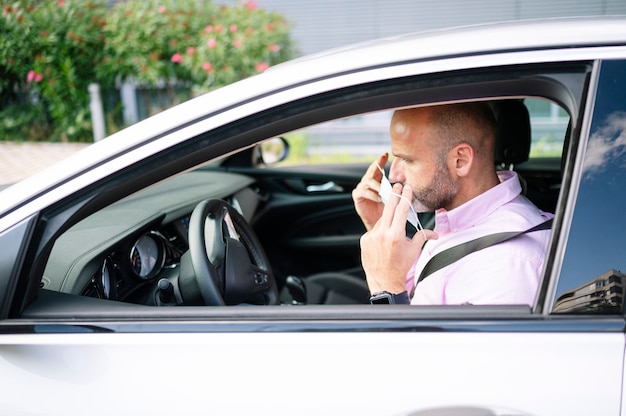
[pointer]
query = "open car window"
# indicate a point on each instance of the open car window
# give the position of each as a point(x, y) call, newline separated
point(132, 250)
point(362, 138)
point(137, 231)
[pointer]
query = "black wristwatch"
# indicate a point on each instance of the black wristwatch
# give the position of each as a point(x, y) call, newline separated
point(386, 298)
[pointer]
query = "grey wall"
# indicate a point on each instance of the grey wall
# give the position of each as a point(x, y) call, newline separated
point(323, 24)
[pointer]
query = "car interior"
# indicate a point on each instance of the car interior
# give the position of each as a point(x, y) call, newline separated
point(295, 229)
point(285, 226)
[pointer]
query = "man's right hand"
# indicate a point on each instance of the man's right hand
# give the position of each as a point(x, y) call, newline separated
point(367, 202)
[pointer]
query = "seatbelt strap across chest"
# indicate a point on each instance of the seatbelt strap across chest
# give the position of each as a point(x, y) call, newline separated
point(452, 254)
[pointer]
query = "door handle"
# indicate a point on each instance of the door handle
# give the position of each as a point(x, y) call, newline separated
point(329, 186)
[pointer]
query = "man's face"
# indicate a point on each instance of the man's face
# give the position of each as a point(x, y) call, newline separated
point(417, 163)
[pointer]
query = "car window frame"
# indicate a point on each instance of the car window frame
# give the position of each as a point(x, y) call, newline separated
point(502, 82)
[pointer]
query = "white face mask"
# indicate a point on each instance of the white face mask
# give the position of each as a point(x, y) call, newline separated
point(385, 192)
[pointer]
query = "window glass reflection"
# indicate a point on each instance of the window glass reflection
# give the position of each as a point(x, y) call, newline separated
point(592, 276)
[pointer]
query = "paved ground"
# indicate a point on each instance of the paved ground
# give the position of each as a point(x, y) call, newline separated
point(20, 160)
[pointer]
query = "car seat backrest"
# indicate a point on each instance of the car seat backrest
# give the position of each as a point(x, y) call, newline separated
point(512, 133)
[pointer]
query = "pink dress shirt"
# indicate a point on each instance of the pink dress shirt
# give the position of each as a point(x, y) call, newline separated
point(506, 273)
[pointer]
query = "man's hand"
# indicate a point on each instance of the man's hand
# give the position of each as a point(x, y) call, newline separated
point(386, 253)
point(367, 202)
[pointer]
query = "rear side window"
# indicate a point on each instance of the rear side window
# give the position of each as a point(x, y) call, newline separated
point(362, 138)
point(548, 123)
point(592, 275)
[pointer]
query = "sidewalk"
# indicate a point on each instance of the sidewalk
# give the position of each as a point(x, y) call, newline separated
point(20, 160)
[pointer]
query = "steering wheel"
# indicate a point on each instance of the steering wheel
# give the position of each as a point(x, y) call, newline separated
point(225, 264)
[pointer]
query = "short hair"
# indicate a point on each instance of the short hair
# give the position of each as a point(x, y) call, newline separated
point(472, 123)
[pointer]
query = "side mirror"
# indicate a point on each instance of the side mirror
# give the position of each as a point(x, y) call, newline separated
point(272, 151)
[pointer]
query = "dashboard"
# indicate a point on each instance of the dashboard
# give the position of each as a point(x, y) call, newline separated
point(128, 249)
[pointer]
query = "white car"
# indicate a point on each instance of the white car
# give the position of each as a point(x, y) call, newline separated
point(116, 300)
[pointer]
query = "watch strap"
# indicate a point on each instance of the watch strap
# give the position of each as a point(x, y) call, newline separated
point(386, 298)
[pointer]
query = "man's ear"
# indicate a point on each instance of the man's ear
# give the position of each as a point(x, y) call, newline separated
point(461, 159)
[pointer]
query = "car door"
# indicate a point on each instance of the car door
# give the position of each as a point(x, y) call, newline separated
point(67, 354)
point(591, 279)
point(310, 217)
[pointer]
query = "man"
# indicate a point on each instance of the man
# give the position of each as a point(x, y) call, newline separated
point(444, 162)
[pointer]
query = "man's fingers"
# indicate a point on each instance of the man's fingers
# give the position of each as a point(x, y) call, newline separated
point(380, 164)
point(424, 235)
point(403, 195)
point(389, 213)
point(368, 188)
point(373, 170)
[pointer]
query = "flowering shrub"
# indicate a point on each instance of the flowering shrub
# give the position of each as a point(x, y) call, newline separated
point(237, 42)
point(47, 50)
point(53, 50)
point(185, 40)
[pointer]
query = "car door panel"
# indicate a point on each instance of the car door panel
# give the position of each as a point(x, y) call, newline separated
point(333, 373)
point(308, 360)
point(308, 217)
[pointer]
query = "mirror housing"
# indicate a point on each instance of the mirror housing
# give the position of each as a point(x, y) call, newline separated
point(272, 151)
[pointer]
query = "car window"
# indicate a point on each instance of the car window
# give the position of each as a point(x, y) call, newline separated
point(362, 138)
point(350, 140)
point(591, 278)
point(300, 215)
point(548, 124)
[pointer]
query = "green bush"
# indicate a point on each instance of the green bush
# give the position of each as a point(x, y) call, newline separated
point(52, 51)
point(48, 57)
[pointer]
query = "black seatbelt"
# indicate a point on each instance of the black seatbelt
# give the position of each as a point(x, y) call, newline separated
point(455, 253)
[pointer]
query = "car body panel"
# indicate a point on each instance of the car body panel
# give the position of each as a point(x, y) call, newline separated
point(319, 373)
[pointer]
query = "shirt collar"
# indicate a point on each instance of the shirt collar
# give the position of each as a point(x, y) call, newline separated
point(473, 211)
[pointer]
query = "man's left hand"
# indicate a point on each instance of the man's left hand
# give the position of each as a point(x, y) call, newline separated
point(386, 253)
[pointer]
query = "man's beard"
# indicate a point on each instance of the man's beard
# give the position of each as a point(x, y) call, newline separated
point(437, 194)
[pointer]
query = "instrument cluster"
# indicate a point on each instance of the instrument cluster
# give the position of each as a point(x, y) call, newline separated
point(138, 262)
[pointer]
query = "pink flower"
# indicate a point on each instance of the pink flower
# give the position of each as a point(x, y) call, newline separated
point(207, 67)
point(250, 4)
point(233, 28)
point(208, 29)
point(237, 44)
point(273, 47)
point(211, 43)
point(60, 3)
point(161, 9)
point(191, 50)
point(261, 66)
point(177, 58)
point(219, 28)
point(34, 76)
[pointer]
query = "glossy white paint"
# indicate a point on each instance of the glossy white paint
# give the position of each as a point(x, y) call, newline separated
point(310, 373)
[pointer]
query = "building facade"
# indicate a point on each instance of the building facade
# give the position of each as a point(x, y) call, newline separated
point(324, 24)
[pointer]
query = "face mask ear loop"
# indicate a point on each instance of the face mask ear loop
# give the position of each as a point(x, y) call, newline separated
point(419, 225)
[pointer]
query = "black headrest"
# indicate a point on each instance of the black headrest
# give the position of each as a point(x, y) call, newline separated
point(513, 132)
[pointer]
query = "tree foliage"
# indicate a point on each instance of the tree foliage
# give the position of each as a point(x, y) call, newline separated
point(52, 51)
